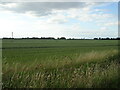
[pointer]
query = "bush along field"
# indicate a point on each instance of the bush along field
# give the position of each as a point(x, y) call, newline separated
point(73, 67)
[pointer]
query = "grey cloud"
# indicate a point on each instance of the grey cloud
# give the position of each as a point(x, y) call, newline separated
point(43, 8)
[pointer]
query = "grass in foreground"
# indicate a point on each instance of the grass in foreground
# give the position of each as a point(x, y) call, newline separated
point(89, 70)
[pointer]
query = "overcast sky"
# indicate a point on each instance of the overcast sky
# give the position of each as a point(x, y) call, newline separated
point(60, 19)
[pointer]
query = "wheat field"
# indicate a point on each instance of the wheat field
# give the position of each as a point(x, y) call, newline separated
point(60, 64)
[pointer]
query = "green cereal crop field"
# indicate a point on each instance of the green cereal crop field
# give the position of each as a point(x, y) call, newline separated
point(60, 63)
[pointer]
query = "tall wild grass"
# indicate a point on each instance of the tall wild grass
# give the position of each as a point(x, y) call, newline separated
point(96, 69)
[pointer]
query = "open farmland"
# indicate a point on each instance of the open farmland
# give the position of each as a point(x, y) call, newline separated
point(60, 63)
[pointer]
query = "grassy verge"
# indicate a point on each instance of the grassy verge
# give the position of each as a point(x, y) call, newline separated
point(89, 70)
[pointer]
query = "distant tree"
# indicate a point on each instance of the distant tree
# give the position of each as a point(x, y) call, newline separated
point(62, 38)
point(107, 38)
point(95, 38)
point(34, 38)
point(58, 38)
point(118, 38)
point(99, 38)
point(69, 39)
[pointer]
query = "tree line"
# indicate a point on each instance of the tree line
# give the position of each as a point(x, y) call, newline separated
point(63, 38)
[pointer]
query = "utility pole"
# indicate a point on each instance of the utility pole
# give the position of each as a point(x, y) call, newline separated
point(12, 34)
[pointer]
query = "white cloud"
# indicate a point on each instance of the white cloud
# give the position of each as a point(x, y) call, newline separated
point(58, 18)
point(104, 28)
point(8, 5)
point(111, 24)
